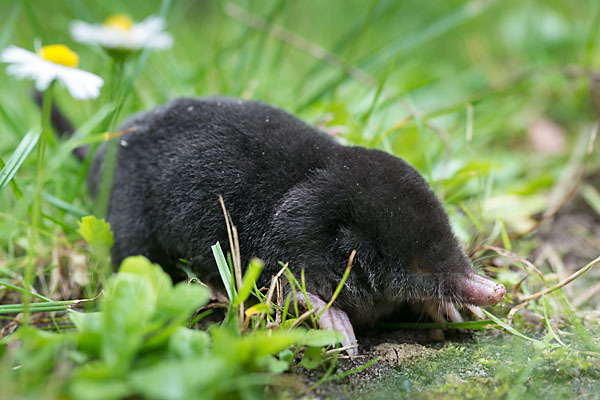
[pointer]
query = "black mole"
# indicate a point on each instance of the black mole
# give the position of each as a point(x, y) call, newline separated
point(295, 196)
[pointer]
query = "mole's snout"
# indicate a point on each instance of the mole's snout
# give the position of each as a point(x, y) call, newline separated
point(478, 290)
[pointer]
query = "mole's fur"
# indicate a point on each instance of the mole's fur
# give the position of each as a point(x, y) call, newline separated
point(295, 195)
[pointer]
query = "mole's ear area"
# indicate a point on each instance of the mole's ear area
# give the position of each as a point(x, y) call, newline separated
point(350, 238)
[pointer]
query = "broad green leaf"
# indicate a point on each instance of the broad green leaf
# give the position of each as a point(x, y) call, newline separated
point(320, 338)
point(312, 358)
point(96, 232)
point(256, 344)
point(95, 389)
point(286, 355)
point(271, 364)
point(180, 302)
point(89, 328)
point(185, 343)
point(191, 379)
point(142, 267)
point(128, 306)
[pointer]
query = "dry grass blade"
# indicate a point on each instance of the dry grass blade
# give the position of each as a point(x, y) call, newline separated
point(340, 349)
point(551, 289)
point(513, 311)
point(278, 312)
point(303, 317)
point(274, 281)
point(234, 246)
point(513, 256)
point(586, 295)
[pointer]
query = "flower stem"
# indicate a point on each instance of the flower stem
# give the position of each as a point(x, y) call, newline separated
point(36, 211)
point(112, 147)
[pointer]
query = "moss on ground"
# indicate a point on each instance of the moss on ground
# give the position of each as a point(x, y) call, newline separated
point(493, 366)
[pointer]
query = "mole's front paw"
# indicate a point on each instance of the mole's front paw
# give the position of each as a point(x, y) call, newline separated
point(333, 319)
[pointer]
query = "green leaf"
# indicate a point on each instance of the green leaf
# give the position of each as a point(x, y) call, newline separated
point(12, 183)
point(505, 237)
point(320, 338)
point(126, 311)
point(224, 270)
point(286, 355)
point(182, 300)
point(193, 379)
point(510, 328)
point(142, 267)
point(89, 329)
point(96, 232)
point(312, 358)
point(185, 343)
point(271, 364)
point(252, 273)
point(254, 345)
point(63, 205)
point(18, 157)
point(95, 389)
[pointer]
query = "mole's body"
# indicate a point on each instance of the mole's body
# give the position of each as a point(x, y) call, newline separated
point(295, 196)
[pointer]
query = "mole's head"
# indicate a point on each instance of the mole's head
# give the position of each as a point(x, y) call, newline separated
point(379, 205)
point(403, 237)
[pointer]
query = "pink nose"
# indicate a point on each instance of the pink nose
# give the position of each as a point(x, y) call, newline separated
point(478, 290)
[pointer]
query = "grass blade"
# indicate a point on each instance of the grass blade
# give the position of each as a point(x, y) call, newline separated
point(12, 183)
point(438, 325)
point(443, 25)
point(63, 205)
point(18, 157)
point(509, 328)
point(252, 273)
point(224, 270)
point(20, 289)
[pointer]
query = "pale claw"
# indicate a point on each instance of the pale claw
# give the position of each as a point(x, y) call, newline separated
point(333, 319)
point(438, 311)
point(476, 311)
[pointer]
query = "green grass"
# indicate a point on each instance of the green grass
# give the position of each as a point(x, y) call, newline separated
point(454, 87)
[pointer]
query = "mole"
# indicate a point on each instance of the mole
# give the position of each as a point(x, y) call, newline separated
point(296, 196)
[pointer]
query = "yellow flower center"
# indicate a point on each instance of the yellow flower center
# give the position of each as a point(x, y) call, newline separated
point(59, 54)
point(119, 21)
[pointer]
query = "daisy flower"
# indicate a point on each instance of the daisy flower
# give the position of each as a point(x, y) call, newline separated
point(54, 62)
point(119, 32)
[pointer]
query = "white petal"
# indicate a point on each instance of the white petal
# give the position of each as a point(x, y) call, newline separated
point(150, 24)
point(146, 34)
point(105, 36)
point(25, 64)
point(84, 32)
point(81, 84)
point(161, 41)
point(44, 78)
point(41, 71)
point(14, 54)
